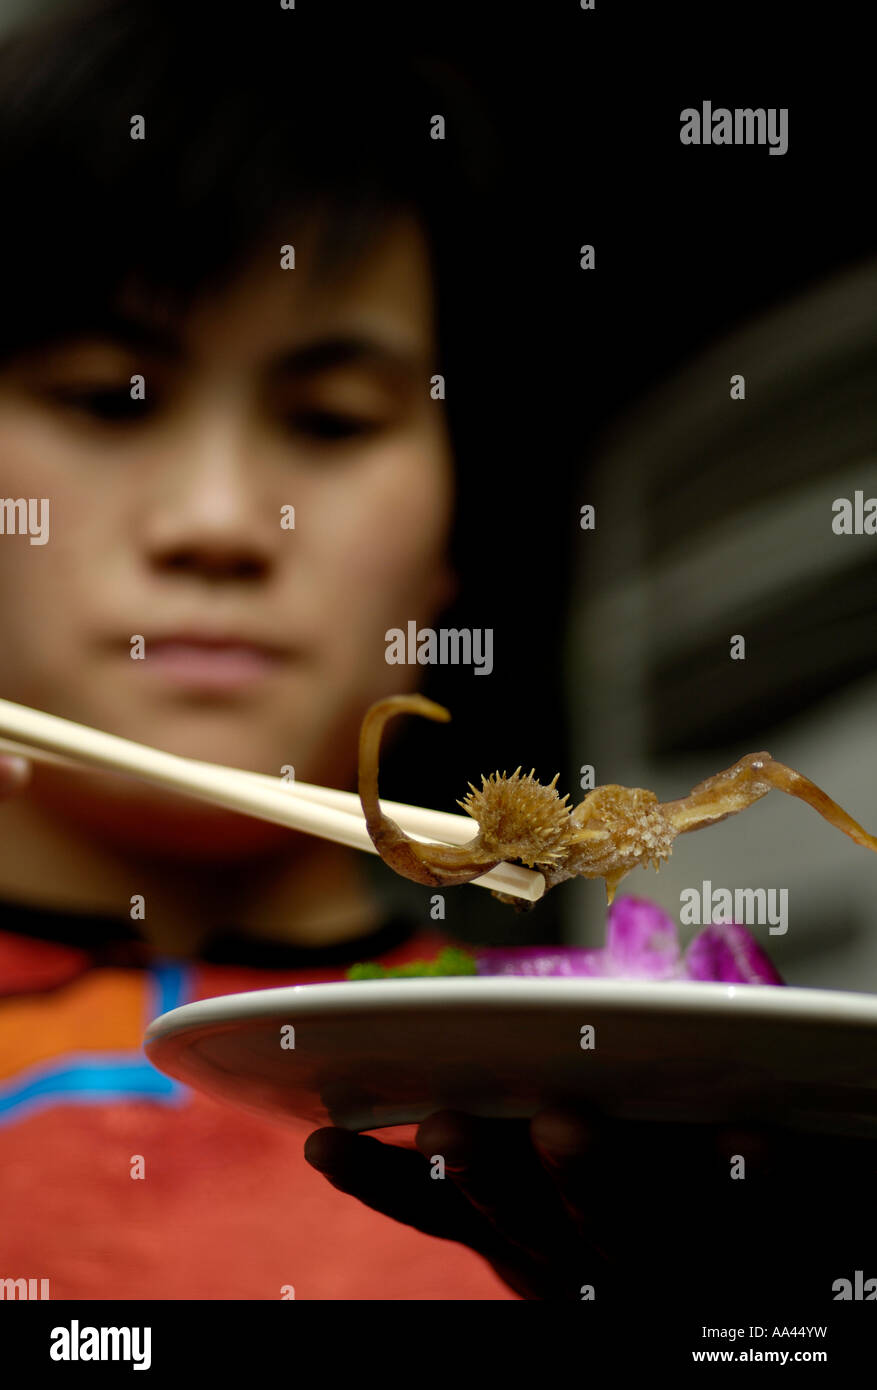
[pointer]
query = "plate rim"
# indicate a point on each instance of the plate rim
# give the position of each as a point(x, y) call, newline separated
point(806, 1004)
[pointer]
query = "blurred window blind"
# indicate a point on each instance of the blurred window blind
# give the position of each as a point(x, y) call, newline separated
point(714, 518)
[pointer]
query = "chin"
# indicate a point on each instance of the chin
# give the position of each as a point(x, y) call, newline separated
point(132, 817)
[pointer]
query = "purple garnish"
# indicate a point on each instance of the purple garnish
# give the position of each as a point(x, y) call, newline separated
point(642, 943)
point(726, 951)
point(539, 960)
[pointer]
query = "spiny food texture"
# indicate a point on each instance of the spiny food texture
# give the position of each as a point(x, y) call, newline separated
point(615, 829)
point(519, 817)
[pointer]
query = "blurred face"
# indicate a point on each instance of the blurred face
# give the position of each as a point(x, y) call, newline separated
point(262, 644)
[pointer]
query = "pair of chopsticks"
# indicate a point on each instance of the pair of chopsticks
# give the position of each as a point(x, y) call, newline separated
point(322, 811)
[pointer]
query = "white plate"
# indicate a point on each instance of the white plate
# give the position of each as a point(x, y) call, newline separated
point(376, 1053)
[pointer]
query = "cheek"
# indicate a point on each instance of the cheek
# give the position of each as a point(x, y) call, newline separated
point(387, 528)
point(49, 590)
point(376, 556)
point(33, 576)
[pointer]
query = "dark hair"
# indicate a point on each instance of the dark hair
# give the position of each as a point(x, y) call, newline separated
point(251, 127)
point(247, 131)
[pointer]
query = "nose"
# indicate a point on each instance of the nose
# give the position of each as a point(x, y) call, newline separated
point(210, 517)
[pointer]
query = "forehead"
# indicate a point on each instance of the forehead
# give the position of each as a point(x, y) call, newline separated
point(388, 291)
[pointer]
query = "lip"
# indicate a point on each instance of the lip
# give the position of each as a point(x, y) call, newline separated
point(210, 662)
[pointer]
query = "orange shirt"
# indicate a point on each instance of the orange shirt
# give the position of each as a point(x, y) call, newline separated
point(229, 1209)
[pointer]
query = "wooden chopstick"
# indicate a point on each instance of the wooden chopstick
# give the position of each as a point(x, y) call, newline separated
point(321, 811)
point(417, 820)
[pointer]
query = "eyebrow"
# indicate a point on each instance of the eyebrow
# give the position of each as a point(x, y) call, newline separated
point(130, 331)
point(356, 349)
point(350, 350)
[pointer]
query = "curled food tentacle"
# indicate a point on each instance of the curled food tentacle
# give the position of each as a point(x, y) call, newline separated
point(433, 865)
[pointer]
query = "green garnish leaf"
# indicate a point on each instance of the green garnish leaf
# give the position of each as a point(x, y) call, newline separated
point(450, 961)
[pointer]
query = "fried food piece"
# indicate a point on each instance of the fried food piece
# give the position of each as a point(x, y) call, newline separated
point(613, 830)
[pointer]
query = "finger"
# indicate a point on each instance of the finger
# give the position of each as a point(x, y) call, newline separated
point(397, 1183)
point(493, 1164)
point(566, 1144)
point(14, 773)
point(391, 1181)
point(623, 1184)
point(641, 1194)
point(659, 1193)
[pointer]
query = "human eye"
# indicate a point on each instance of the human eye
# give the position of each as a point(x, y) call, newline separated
point(336, 406)
point(103, 402)
point(329, 425)
point(94, 384)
